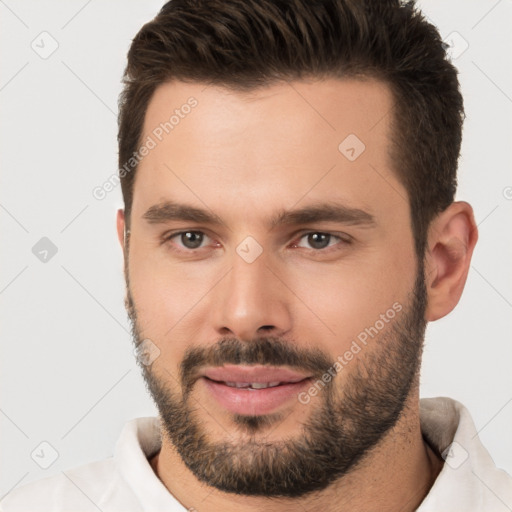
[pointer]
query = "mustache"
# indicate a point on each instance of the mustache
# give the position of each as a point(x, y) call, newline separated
point(270, 351)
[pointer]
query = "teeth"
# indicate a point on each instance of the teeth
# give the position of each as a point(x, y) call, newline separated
point(238, 384)
point(252, 385)
point(263, 385)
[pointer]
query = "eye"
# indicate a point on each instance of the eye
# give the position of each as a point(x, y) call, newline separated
point(188, 239)
point(318, 240)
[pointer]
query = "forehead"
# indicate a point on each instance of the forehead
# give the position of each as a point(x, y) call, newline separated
point(288, 142)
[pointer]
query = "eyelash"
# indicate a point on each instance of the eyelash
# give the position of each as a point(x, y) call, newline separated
point(343, 238)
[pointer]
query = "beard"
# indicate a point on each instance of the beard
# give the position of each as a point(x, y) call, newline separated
point(345, 424)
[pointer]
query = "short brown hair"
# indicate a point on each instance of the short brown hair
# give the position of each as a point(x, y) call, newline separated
point(245, 44)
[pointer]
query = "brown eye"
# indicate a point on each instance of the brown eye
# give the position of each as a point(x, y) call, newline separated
point(319, 240)
point(191, 239)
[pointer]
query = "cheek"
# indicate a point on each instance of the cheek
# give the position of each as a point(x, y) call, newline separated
point(341, 301)
point(169, 296)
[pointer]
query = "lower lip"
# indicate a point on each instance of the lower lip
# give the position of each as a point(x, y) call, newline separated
point(254, 401)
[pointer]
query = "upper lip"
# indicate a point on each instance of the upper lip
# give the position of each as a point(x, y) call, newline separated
point(260, 374)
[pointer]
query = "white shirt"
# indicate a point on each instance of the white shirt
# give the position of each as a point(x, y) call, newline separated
point(468, 482)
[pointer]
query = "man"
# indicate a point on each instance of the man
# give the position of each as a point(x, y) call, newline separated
point(288, 172)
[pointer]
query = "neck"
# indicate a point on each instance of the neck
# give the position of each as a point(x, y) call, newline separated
point(396, 475)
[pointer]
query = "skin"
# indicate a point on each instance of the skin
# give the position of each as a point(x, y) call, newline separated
point(247, 157)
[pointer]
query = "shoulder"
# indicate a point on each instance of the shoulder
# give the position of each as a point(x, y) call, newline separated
point(81, 489)
point(106, 485)
point(469, 479)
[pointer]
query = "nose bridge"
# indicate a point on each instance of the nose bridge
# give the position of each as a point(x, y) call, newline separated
point(251, 298)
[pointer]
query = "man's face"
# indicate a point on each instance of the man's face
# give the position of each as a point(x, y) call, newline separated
point(270, 243)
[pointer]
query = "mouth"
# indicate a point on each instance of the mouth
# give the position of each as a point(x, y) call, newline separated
point(253, 390)
point(251, 385)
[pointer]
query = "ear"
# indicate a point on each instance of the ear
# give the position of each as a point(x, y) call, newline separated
point(452, 236)
point(120, 227)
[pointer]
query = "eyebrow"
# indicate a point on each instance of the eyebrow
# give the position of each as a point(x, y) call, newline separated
point(170, 210)
point(323, 212)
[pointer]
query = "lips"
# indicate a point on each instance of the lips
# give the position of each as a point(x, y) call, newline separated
point(253, 390)
point(253, 374)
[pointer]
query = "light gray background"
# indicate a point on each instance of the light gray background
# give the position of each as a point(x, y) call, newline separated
point(67, 367)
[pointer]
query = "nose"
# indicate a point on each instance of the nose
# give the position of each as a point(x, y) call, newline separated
point(252, 301)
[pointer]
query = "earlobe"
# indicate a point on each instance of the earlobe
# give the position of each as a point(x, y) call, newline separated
point(451, 240)
point(120, 226)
